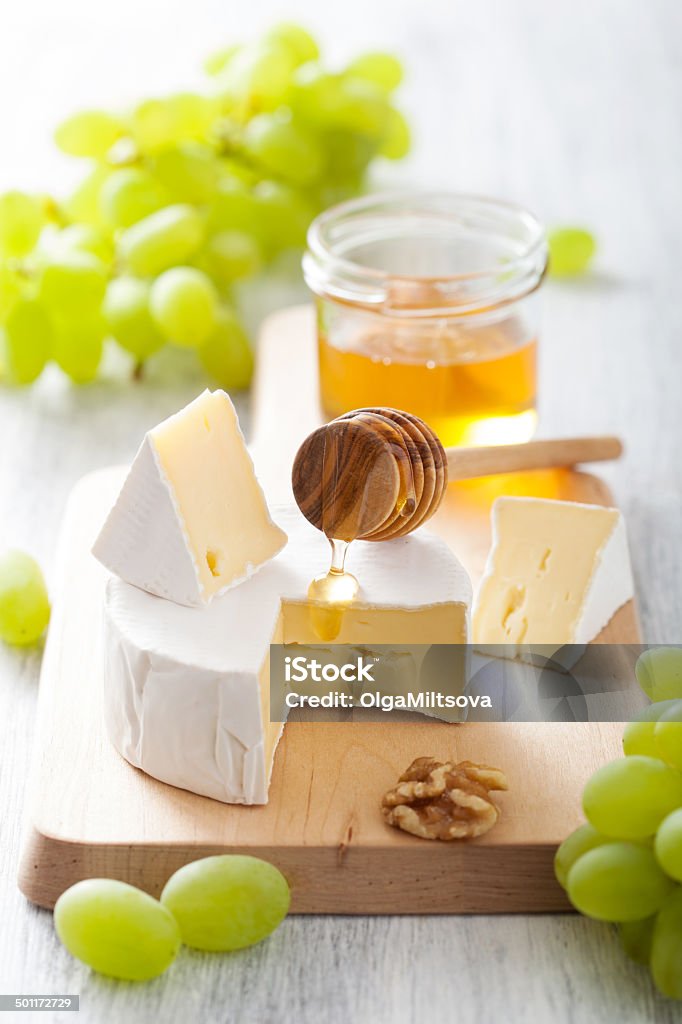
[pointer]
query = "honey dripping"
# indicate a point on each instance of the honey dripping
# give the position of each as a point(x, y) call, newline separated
point(332, 593)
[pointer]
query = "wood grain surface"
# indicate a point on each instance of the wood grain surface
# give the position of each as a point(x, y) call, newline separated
point(322, 825)
point(571, 109)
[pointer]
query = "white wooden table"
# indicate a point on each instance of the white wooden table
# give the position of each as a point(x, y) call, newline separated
point(573, 108)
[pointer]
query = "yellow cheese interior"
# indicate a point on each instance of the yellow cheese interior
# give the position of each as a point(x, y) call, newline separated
point(542, 565)
point(205, 460)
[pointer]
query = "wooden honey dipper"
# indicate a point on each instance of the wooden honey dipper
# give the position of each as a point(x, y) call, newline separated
point(378, 474)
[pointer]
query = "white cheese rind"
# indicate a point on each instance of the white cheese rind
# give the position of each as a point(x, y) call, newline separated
point(182, 696)
point(151, 535)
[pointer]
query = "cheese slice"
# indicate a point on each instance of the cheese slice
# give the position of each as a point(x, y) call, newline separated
point(187, 689)
point(557, 573)
point(191, 520)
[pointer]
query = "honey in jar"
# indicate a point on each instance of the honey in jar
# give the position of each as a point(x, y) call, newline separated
point(428, 303)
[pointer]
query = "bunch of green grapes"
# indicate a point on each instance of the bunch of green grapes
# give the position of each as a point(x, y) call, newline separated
point(625, 864)
point(218, 904)
point(184, 196)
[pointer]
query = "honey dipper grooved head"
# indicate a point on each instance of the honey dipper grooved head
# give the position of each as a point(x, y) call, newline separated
point(372, 474)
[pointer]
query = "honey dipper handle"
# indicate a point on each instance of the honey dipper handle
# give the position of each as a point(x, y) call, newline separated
point(508, 458)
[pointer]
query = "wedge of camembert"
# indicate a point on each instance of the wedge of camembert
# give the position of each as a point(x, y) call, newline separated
point(557, 573)
point(187, 695)
point(191, 520)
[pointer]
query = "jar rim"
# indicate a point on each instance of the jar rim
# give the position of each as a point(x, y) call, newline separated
point(331, 274)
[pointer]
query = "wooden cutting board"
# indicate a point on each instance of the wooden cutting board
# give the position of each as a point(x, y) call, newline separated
point(92, 814)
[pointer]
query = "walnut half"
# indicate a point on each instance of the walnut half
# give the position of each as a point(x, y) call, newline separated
point(444, 801)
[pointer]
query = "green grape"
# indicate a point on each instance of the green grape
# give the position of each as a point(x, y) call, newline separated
point(347, 157)
point(668, 845)
point(219, 59)
point(317, 95)
point(27, 341)
point(162, 240)
point(235, 207)
point(299, 42)
point(232, 254)
point(24, 604)
point(78, 345)
point(190, 173)
point(636, 938)
point(129, 195)
point(73, 282)
point(86, 238)
point(11, 287)
point(22, 218)
point(638, 737)
point(91, 133)
point(396, 141)
point(666, 948)
point(628, 799)
point(659, 673)
point(570, 251)
point(363, 108)
point(285, 215)
point(83, 204)
point(227, 354)
point(668, 736)
point(618, 882)
point(257, 77)
point(184, 305)
point(226, 902)
point(128, 317)
point(382, 69)
point(283, 149)
point(116, 929)
point(192, 115)
point(574, 846)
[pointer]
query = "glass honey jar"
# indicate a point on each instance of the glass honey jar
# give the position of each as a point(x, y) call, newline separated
point(429, 303)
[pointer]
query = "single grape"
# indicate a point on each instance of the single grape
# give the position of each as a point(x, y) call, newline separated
point(382, 69)
point(283, 149)
point(27, 341)
point(316, 96)
point(129, 195)
point(24, 604)
point(570, 251)
point(299, 42)
point(574, 846)
point(628, 799)
point(86, 238)
point(191, 115)
point(618, 882)
point(190, 173)
point(73, 282)
point(668, 735)
point(162, 240)
point(257, 77)
point(285, 216)
point(636, 938)
point(659, 673)
point(232, 254)
point(668, 845)
point(666, 948)
point(184, 304)
point(22, 218)
point(78, 345)
point(227, 354)
point(83, 205)
point(116, 929)
point(363, 108)
point(638, 737)
point(128, 317)
point(91, 133)
point(235, 207)
point(226, 902)
point(396, 141)
point(152, 125)
point(347, 157)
